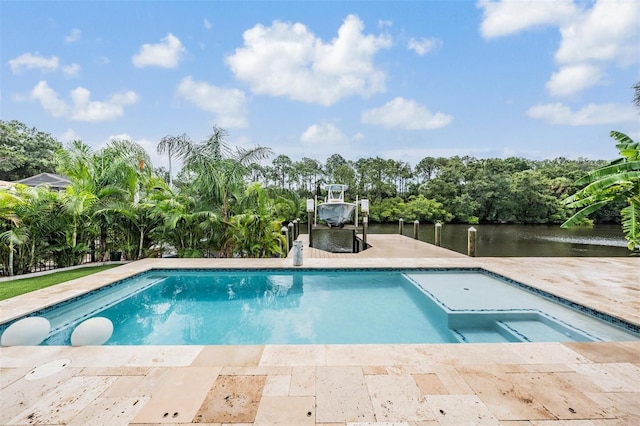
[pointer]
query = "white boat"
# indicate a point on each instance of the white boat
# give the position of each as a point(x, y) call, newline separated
point(334, 210)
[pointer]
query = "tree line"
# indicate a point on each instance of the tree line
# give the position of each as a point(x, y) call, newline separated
point(459, 189)
point(233, 202)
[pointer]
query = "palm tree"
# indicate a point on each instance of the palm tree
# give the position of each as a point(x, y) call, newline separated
point(173, 145)
point(218, 172)
point(101, 178)
point(617, 181)
point(255, 231)
point(9, 224)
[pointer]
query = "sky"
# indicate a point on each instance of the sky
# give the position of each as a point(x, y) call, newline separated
point(400, 80)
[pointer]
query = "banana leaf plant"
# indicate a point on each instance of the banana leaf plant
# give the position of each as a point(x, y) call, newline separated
point(617, 181)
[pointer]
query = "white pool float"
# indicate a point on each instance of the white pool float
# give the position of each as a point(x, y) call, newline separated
point(29, 331)
point(94, 331)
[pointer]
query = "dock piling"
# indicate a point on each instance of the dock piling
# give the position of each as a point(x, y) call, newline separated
point(290, 236)
point(416, 226)
point(285, 231)
point(438, 229)
point(471, 242)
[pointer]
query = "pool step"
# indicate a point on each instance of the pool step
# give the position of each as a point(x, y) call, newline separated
point(539, 329)
point(542, 331)
point(481, 335)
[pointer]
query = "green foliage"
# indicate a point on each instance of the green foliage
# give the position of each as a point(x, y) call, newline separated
point(416, 208)
point(24, 151)
point(617, 181)
point(224, 202)
point(255, 232)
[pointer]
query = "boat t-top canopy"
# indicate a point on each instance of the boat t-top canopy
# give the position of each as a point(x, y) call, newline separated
point(336, 187)
point(335, 192)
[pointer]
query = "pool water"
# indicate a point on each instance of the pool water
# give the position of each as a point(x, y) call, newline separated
point(238, 307)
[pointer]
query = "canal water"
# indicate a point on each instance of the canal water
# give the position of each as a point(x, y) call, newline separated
point(522, 240)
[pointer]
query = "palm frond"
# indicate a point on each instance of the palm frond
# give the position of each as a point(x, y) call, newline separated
point(582, 214)
point(612, 169)
point(631, 225)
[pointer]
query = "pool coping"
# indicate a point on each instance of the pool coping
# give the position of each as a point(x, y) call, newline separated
point(608, 318)
point(506, 268)
point(429, 383)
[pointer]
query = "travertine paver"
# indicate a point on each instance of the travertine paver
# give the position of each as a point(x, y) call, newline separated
point(22, 394)
point(277, 385)
point(286, 410)
point(109, 411)
point(561, 399)
point(611, 352)
point(63, 403)
point(293, 355)
point(460, 409)
point(303, 381)
point(624, 406)
point(113, 385)
point(232, 399)
point(235, 356)
point(429, 384)
point(621, 377)
point(507, 399)
point(342, 395)
point(397, 399)
point(178, 396)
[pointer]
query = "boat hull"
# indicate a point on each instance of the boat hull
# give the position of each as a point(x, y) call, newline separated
point(336, 214)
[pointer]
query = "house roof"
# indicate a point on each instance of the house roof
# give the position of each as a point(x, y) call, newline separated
point(50, 179)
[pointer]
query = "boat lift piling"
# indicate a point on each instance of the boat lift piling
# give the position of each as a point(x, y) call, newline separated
point(338, 229)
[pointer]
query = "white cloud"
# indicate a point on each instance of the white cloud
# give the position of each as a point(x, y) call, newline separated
point(81, 107)
point(71, 70)
point(325, 134)
point(609, 31)
point(558, 113)
point(30, 62)
point(592, 38)
point(571, 79)
point(69, 136)
point(507, 17)
point(405, 114)
point(423, 45)
point(73, 36)
point(207, 24)
point(228, 105)
point(287, 59)
point(166, 54)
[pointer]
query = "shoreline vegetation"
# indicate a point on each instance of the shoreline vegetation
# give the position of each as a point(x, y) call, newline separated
point(232, 202)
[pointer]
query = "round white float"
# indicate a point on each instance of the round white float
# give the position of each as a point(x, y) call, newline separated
point(29, 331)
point(94, 331)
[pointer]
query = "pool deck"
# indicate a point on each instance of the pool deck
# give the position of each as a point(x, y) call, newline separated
point(428, 384)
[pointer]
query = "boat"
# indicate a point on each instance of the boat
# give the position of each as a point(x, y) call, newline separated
point(334, 211)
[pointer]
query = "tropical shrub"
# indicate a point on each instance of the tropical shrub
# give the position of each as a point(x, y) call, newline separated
point(615, 182)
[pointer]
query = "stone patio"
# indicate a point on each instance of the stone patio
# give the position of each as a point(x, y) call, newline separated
point(449, 384)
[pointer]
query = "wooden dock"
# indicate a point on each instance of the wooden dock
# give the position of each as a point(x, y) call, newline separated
point(383, 246)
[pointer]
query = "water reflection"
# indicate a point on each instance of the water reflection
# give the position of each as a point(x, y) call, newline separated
point(524, 240)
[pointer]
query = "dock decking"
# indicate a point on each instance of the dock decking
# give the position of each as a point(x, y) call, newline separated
point(383, 246)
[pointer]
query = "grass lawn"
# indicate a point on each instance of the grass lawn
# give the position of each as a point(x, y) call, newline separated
point(25, 285)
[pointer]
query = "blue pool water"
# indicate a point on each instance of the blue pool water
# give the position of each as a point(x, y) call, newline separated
point(236, 307)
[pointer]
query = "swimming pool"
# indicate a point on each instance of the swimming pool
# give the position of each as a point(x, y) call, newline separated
point(310, 306)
